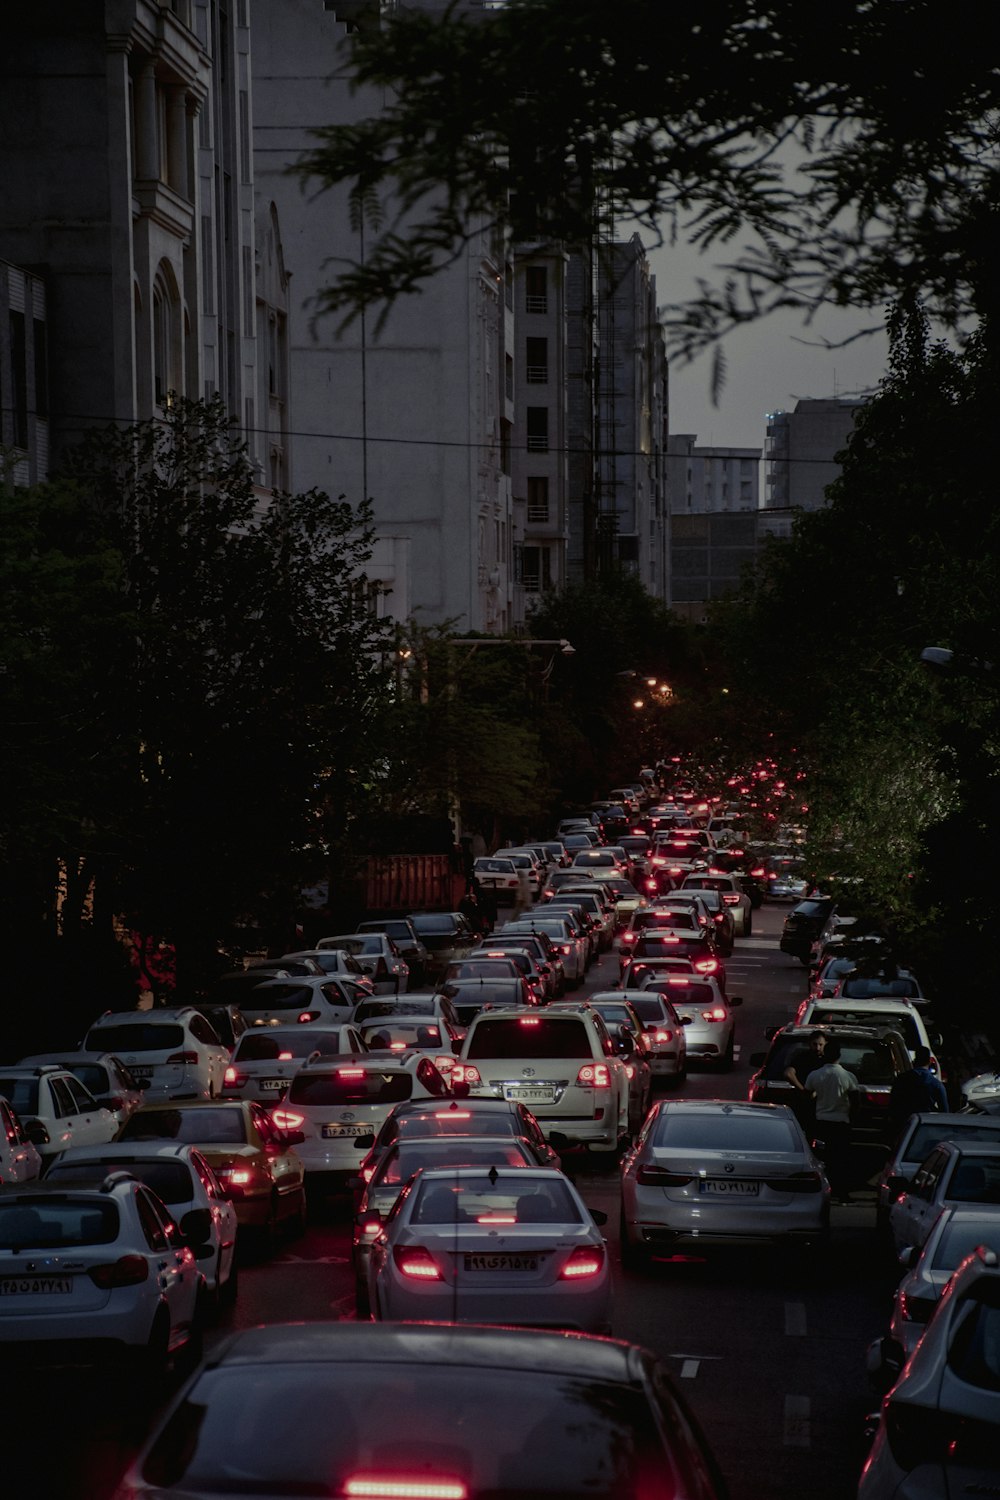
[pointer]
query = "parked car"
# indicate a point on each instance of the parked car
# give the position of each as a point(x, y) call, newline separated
point(255, 1159)
point(955, 1233)
point(497, 874)
point(920, 1135)
point(176, 1052)
point(511, 1245)
point(954, 1172)
point(56, 1110)
point(707, 1171)
point(183, 1179)
point(566, 1416)
point(803, 925)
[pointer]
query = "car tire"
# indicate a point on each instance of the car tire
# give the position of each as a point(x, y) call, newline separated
point(297, 1222)
point(152, 1359)
point(633, 1257)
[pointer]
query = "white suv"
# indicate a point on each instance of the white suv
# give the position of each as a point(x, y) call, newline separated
point(558, 1060)
point(56, 1109)
point(178, 1051)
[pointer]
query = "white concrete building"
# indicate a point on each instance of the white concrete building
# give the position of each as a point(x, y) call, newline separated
point(710, 479)
point(802, 445)
point(415, 414)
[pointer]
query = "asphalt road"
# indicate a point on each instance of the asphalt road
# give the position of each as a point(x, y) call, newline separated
point(770, 1355)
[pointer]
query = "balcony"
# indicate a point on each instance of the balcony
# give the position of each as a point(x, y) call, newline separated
point(537, 374)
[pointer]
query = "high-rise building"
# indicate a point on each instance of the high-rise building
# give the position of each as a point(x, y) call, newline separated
point(802, 446)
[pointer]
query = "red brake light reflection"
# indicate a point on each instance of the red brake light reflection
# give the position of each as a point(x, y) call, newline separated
point(350, 1072)
point(364, 1488)
point(529, 1021)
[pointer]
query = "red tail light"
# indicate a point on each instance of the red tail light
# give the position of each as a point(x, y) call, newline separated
point(661, 1035)
point(465, 1073)
point(877, 1096)
point(183, 1057)
point(350, 1072)
point(415, 1261)
point(760, 872)
point(731, 898)
point(234, 1079)
point(628, 937)
point(365, 1487)
point(681, 981)
point(284, 1057)
point(586, 1260)
point(287, 1119)
point(128, 1270)
point(594, 1076)
point(529, 1021)
point(706, 965)
point(308, 1015)
point(717, 1013)
point(650, 1176)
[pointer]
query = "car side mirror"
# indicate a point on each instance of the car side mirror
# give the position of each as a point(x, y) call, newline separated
point(684, 1020)
point(909, 1257)
point(37, 1133)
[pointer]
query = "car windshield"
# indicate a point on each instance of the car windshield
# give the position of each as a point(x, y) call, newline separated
point(22, 1093)
point(529, 1036)
point(551, 1434)
point(209, 1124)
point(960, 1239)
point(142, 1036)
point(61, 1223)
point(399, 1164)
point(169, 1180)
point(351, 1085)
point(434, 924)
point(706, 1130)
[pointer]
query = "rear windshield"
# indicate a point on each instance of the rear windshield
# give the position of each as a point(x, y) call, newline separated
point(479, 1200)
point(543, 1435)
point(208, 1125)
point(403, 1160)
point(278, 997)
point(432, 924)
point(355, 945)
point(926, 1137)
point(456, 1122)
point(476, 992)
point(530, 1036)
point(140, 1037)
point(22, 1093)
point(495, 866)
point(870, 1062)
point(691, 993)
point(401, 1034)
point(169, 1180)
point(656, 945)
point(492, 968)
point(649, 1009)
point(878, 989)
point(351, 1085)
point(93, 1075)
point(725, 1132)
point(707, 883)
point(258, 1046)
point(679, 920)
point(57, 1225)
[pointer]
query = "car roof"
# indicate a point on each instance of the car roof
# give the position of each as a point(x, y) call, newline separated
point(65, 1059)
point(378, 1058)
point(426, 1345)
point(127, 1150)
point(144, 1017)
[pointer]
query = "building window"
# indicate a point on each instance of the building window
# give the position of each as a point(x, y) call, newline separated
point(19, 370)
point(538, 498)
point(536, 569)
point(41, 369)
point(508, 377)
point(538, 429)
point(537, 367)
point(746, 490)
point(536, 287)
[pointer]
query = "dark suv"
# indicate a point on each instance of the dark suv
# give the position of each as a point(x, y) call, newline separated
point(875, 1055)
point(803, 926)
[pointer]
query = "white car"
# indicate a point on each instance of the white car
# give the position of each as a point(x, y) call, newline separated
point(937, 1434)
point(267, 1058)
point(106, 1076)
point(732, 893)
point(920, 1135)
point(305, 1001)
point(378, 956)
point(901, 1015)
point(20, 1160)
point(335, 961)
point(567, 935)
point(664, 1032)
point(706, 1014)
point(710, 1171)
point(956, 1232)
point(56, 1109)
point(177, 1052)
point(340, 1103)
point(514, 1245)
point(953, 1173)
point(99, 1269)
point(497, 874)
point(560, 1061)
point(184, 1181)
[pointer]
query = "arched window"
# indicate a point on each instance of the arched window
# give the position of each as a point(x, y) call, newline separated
point(167, 377)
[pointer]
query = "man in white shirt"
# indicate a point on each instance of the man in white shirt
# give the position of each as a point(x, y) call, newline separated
point(836, 1092)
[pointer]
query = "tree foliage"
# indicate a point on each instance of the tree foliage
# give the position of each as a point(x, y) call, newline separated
point(838, 155)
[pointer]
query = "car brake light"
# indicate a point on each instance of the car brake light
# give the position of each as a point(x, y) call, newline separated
point(284, 1057)
point(586, 1260)
point(681, 981)
point(566, 947)
point(128, 1270)
point(650, 1176)
point(465, 1073)
point(365, 1487)
point(628, 937)
point(594, 1076)
point(231, 1076)
point(658, 859)
point(453, 1114)
point(529, 1021)
point(706, 965)
point(350, 1072)
point(730, 898)
point(877, 1096)
point(183, 1057)
point(760, 872)
point(287, 1119)
point(416, 1261)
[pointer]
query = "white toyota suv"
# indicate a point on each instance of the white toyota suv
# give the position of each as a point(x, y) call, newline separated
point(560, 1061)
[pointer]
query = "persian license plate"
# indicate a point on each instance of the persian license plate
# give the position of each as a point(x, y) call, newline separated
point(140, 1071)
point(736, 1187)
point(333, 1132)
point(501, 1262)
point(530, 1095)
point(272, 1085)
point(34, 1286)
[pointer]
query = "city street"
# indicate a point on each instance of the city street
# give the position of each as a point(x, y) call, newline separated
point(770, 1356)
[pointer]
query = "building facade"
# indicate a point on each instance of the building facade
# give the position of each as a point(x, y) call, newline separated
point(710, 479)
point(802, 445)
point(24, 378)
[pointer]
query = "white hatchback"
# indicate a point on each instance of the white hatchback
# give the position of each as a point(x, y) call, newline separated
point(177, 1052)
point(56, 1109)
point(267, 1058)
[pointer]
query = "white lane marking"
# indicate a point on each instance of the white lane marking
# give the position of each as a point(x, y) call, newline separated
point(689, 1369)
point(795, 1319)
point(796, 1430)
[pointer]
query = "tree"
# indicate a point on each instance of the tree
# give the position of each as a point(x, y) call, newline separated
point(854, 151)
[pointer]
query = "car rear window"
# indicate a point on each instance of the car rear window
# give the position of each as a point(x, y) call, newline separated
point(351, 1085)
point(663, 944)
point(490, 968)
point(217, 1125)
point(649, 1008)
point(22, 1093)
point(403, 1160)
point(707, 883)
point(92, 1075)
point(402, 1034)
point(670, 918)
point(926, 1137)
point(169, 1180)
point(900, 1021)
point(878, 989)
point(707, 1131)
point(530, 1036)
point(434, 925)
point(544, 1438)
point(278, 997)
point(258, 1046)
point(456, 1122)
point(680, 992)
point(472, 1200)
point(55, 1225)
point(142, 1036)
point(870, 1062)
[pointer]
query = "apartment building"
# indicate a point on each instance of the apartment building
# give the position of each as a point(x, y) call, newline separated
point(24, 378)
point(802, 445)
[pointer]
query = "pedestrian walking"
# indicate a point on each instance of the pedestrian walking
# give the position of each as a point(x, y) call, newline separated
point(836, 1092)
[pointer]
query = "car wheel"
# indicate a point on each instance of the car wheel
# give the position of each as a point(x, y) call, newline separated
point(633, 1257)
point(152, 1359)
point(297, 1222)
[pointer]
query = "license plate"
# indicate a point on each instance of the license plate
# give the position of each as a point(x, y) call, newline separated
point(140, 1072)
point(333, 1132)
point(501, 1262)
point(531, 1096)
point(272, 1085)
point(37, 1286)
point(737, 1188)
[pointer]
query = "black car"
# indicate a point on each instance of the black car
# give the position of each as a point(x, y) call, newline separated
point(446, 935)
point(875, 1055)
point(803, 926)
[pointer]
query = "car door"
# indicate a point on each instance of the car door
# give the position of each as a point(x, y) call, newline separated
point(912, 1214)
point(64, 1113)
point(213, 1057)
point(172, 1262)
point(222, 1211)
point(93, 1125)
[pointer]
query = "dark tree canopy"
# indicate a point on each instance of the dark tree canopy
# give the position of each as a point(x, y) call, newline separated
point(685, 117)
